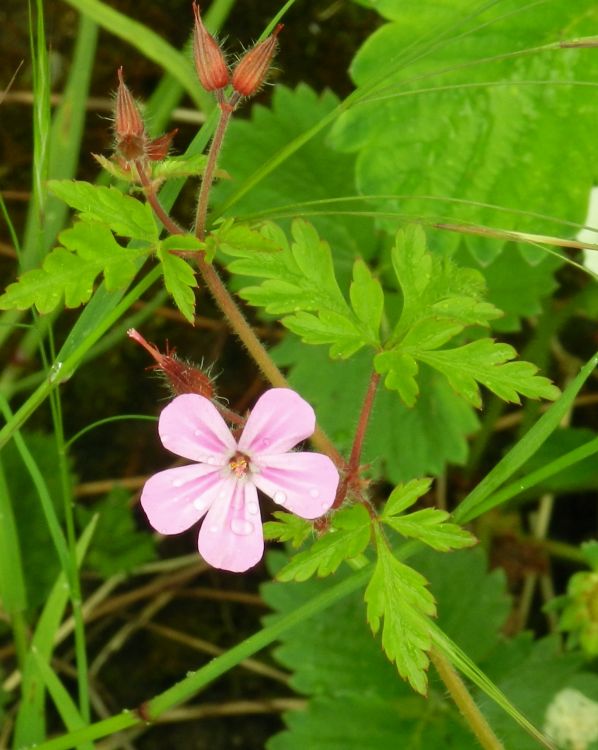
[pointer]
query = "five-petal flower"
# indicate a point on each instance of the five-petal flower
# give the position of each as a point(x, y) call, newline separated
point(224, 482)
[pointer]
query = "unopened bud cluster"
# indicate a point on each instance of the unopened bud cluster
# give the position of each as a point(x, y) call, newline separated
point(212, 70)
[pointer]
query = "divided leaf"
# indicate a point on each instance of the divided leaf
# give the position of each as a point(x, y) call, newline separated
point(179, 277)
point(124, 215)
point(70, 271)
point(431, 527)
point(287, 528)
point(348, 536)
point(399, 596)
point(299, 283)
point(440, 300)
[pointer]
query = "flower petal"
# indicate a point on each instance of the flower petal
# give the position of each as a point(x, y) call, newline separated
point(192, 427)
point(304, 483)
point(231, 535)
point(279, 420)
point(175, 499)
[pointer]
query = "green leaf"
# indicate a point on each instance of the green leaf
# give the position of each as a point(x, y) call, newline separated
point(124, 215)
point(300, 284)
point(401, 443)
point(398, 595)
point(348, 536)
point(70, 271)
point(367, 300)
point(403, 496)
point(179, 280)
point(430, 526)
point(480, 128)
point(179, 166)
point(486, 361)
point(288, 528)
point(313, 172)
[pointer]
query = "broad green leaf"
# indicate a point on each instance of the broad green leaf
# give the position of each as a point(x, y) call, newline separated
point(329, 327)
point(471, 116)
point(288, 528)
point(398, 595)
point(401, 372)
point(403, 496)
point(179, 280)
point(431, 527)
point(124, 215)
point(348, 536)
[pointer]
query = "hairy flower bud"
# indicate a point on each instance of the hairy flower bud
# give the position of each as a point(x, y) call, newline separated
point(253, 67)
point(128, 123)
point(209, 61)
point(182, 377)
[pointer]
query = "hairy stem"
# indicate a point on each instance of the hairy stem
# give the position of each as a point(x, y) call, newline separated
point(465, 703)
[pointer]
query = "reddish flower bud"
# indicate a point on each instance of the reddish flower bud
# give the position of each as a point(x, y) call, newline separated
point(157, 149)
point(182, 377)
point(253, 67)
point(209, 61)
point(128, 123)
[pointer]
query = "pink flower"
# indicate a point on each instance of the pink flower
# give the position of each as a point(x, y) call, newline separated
point(224, 482)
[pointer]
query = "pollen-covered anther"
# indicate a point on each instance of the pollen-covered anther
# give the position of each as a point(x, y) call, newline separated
point(252, 69)
point(128, 123)
point(210, 64)
point(239, 465)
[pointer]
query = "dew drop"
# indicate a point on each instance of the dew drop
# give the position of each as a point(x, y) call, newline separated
point(325, 506)
point(252, 508)
point(178, 483)
point(197, 433)
point(241, 527)
point(199, 503)
point(214, 529)
point(314, 492)
point(279, 497)
point(210, 460)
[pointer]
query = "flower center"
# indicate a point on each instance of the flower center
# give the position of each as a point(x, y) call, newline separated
point(239, 465)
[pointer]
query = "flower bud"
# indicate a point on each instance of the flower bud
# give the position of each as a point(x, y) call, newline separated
point(182, 377)
point(209, 61)
point(253, 67)
point(128, 123)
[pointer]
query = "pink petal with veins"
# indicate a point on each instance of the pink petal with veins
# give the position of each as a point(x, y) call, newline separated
point(175, 499)
point(191, 426)
point(279, 420)
point(231, 535)
point(303, 483)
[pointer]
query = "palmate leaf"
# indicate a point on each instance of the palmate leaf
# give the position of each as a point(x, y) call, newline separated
point(70, 271)
point(441, 300)
point(126, 216)
point(299, 283)
point(495, 132)
point(348, 536)
point(399, 596)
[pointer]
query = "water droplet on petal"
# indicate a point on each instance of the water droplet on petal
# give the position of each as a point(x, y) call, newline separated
point(178, 482)
point(199, 503)
point(241, 527)
point(325, 506)
point(197, 433)
point(279, 497)
point(210, 460)
point(214, 529)
point(314, 492)
point(252, 508)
